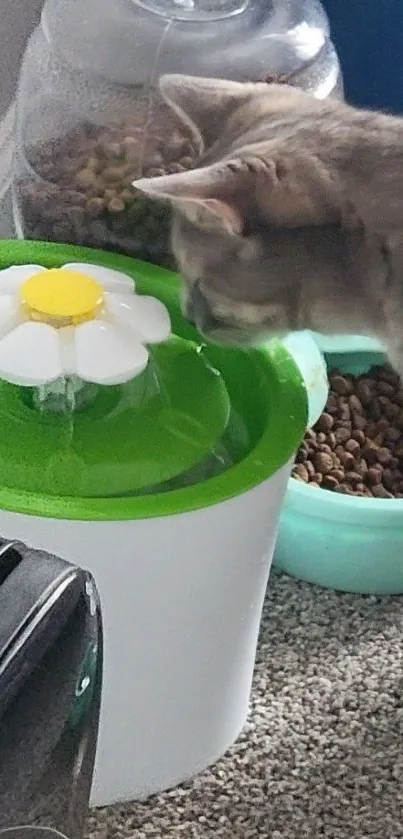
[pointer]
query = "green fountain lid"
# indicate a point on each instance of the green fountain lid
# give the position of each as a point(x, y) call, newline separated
point(97, 398)
point(264, 390)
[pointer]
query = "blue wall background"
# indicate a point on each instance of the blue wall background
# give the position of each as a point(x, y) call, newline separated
point(368, 35)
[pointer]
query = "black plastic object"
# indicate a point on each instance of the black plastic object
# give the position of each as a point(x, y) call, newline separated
point(50, 690)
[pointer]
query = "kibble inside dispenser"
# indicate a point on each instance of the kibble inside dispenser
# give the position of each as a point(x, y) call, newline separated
point(91, 118)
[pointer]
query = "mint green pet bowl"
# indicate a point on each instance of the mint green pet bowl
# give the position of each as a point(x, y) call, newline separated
point(337, 541)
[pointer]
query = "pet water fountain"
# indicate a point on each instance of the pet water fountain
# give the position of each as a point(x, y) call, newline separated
point(160, 465)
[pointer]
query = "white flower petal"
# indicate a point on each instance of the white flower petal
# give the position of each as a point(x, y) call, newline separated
point(67, 337)
point(109, 279)
point(11, 279)
point(146, 316)
point(8, 313)
point(106, 356)
point(30, 355)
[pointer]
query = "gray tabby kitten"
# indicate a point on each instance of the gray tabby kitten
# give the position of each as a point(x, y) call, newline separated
point(294, 218)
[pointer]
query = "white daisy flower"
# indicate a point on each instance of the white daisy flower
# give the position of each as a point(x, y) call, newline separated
point(80, 320)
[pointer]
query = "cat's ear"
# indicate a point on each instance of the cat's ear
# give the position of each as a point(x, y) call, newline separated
point(204, 105)
point(304, 190)
point(206, 196)
point(295, 190)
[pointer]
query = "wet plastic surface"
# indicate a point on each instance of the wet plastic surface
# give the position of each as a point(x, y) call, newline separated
point(118, 440)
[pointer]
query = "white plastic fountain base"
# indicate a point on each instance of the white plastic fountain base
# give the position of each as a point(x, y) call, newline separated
point(182, 574)
point(182, 599)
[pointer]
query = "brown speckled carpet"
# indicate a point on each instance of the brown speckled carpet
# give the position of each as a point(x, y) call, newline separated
point(322, 754)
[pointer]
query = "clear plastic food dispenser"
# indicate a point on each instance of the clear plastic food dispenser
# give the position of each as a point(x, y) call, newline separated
point(91, 119)
point(159, 464)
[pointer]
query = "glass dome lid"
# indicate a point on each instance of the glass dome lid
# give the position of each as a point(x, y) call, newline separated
point(135, 41)
point(194, 10)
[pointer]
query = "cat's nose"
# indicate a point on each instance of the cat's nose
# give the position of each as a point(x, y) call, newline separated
point(198, 310)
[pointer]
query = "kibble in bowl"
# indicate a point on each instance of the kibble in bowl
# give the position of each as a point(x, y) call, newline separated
point(342, 523)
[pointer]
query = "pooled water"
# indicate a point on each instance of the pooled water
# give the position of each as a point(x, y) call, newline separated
point(231, 449)
point(75, 439)
point(67, 396)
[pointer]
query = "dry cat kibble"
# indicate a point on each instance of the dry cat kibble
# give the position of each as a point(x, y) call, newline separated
point(83, 194)
point(77, 188)
point(356, 447)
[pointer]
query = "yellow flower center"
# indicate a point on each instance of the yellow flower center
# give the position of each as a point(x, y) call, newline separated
point(61, 297)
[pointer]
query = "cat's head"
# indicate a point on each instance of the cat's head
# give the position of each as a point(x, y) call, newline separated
point(239, 264)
